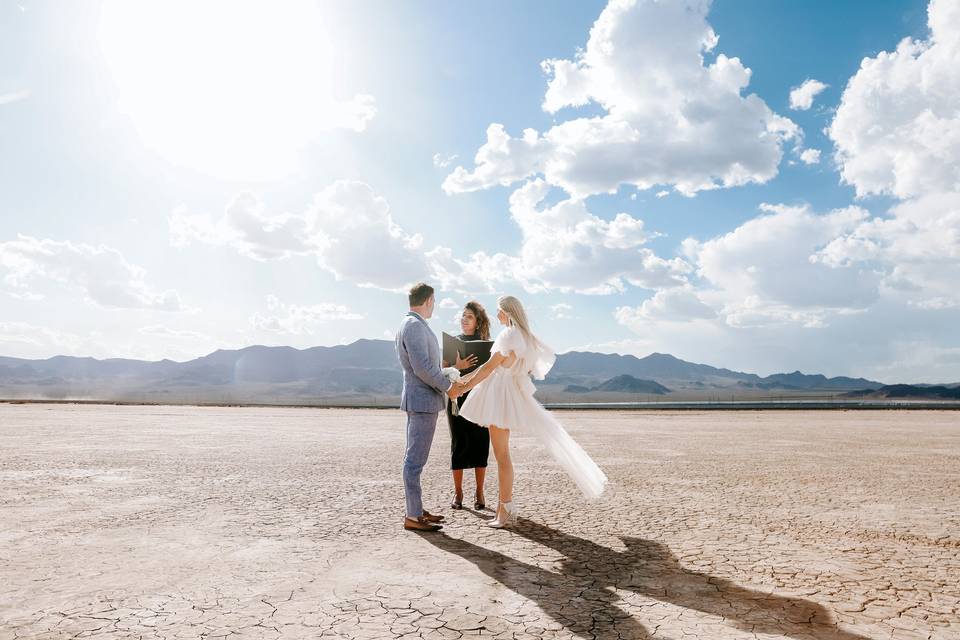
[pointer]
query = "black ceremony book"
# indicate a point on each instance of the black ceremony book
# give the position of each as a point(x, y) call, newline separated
point(453, 345)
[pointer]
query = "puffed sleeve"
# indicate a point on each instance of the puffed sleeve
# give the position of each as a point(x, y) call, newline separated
point(510, 339)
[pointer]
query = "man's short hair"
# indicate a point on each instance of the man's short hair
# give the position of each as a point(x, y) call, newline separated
point(420, 293)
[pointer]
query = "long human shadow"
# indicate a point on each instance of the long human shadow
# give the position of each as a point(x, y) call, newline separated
point(579, 603)
point(581, 596)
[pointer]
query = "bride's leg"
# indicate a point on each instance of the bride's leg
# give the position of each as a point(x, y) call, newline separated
point(500, 439)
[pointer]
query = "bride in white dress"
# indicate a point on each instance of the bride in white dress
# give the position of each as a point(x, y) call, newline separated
point(503, 401)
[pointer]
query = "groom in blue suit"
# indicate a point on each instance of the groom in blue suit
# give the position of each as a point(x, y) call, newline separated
point(424, 387)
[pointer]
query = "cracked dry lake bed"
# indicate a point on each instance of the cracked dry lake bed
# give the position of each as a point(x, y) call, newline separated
point(187, 522)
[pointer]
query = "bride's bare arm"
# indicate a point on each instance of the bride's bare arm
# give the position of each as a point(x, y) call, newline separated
point(484, 370)
point(488, 367)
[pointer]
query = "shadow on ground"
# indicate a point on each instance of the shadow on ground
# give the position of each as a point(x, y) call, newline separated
point(583, 594)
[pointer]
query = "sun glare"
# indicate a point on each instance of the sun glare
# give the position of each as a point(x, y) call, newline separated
point(233, 89)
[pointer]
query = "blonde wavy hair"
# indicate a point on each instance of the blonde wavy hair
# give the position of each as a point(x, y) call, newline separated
point(543, 357)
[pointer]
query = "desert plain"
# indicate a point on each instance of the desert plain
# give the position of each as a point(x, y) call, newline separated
point(201, 522)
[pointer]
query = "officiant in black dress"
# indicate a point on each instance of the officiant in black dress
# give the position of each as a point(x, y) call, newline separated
point(469, 442)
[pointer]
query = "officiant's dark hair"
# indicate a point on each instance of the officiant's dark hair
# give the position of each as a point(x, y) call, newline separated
point(420, 293)
point(483, 322)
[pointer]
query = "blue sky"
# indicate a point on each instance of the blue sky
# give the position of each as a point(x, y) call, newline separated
point(175, 181)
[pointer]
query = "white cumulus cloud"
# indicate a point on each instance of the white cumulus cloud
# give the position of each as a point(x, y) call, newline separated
point(568, 248)
point(561, 311)
point(841, 292)
point(897, 132)
point(766, 266)
point(246, 227)
point(844, 292)
point(349, 231)
point(916, 248)
point(27, 337)
point(801, 98)
point(810, 156)
point(359, 241)
point(292, 319)
point(669, 117)
point(767, 272)
point(101, 273)
point(680, 303)
point(347, 228)
point(897, 129)
point(442, 162)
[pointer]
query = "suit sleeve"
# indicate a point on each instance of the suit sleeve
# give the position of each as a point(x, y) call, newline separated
point(416, 338)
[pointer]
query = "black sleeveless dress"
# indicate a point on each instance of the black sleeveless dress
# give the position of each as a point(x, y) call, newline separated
point(469, 442)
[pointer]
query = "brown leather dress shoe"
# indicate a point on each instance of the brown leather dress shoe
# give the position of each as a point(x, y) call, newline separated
point(420, 524)
point(429, 517)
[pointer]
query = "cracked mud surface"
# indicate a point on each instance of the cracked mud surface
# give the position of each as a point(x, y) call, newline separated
point(185, 522)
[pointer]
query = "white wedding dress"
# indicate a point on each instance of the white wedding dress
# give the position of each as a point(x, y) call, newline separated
point(505, 399)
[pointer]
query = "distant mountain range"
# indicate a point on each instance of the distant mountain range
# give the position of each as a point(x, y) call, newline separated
point(624, 383)
point(586, 368)
point(906, 391)
point(366, 372)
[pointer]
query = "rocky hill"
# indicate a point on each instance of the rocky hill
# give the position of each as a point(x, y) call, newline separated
point(367, 371)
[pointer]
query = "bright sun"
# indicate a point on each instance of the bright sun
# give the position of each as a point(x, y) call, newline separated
point(234, 89)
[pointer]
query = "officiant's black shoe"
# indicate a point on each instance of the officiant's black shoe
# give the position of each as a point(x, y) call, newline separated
point(420, 524)
point(456, 504)
point(429, 517)
point(479, 506)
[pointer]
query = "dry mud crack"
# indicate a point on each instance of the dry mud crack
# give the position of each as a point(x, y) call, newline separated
point(185, 522)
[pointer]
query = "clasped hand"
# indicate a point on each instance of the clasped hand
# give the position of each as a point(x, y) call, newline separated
point(456, 390)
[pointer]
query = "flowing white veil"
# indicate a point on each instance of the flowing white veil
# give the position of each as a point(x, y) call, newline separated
point(571, 457)
point(540, 359)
